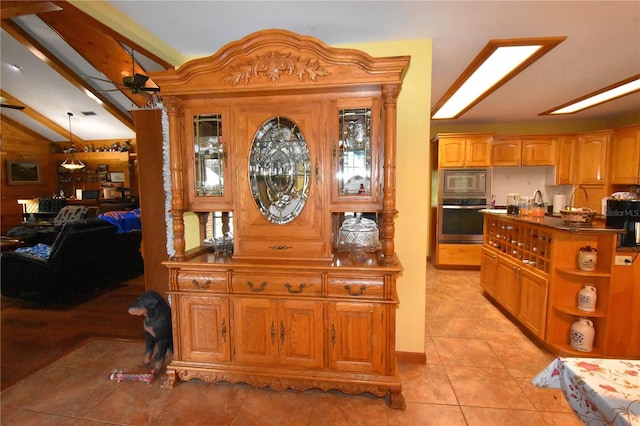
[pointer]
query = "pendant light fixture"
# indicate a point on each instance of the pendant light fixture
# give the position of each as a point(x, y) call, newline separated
point(71, 162)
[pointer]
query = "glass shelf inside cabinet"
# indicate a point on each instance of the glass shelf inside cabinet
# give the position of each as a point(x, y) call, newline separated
point(354, 157)
point(210, 155)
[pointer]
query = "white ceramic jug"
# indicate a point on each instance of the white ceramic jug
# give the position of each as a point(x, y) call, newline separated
point(587, 298)
point(587, 257)
point(582, 334)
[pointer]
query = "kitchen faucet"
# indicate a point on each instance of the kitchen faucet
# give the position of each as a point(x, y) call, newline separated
point(537, 198)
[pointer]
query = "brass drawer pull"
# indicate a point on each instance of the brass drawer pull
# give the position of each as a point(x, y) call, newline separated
point(199, 286)
point(281, 332)
point(288, 286)
point(362, 289)
point(257, 289)
point(273, 333)
point(224, 331)
point(333, 336)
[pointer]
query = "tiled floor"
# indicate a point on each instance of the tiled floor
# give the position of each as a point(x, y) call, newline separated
point(478, 372)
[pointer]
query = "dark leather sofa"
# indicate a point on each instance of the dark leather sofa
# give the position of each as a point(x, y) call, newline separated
point(86, 255)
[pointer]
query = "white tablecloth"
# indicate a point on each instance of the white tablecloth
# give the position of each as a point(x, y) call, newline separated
point(600, 391)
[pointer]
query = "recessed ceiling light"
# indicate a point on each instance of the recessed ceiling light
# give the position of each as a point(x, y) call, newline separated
point(609, 93)
point(15, 67)
point(497, 63)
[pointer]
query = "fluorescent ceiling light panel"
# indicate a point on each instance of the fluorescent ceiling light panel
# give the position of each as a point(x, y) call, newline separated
point(496, 64)
point(609, 93)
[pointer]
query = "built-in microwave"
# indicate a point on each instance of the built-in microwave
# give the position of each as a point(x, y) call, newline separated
point(464, 183)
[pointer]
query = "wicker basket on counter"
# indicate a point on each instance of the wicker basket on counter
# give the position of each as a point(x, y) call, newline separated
point(577, 215)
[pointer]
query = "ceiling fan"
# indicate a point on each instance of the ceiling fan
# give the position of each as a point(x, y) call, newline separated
point(4, 104)
point(134, 82)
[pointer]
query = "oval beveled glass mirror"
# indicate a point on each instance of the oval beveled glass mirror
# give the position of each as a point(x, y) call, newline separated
point(279, 170)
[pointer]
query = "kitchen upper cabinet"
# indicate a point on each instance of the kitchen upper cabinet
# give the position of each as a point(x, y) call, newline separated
point(591, 166)
point(523, 152)
point(566, 160)
point(625, 156)
point(471, 150)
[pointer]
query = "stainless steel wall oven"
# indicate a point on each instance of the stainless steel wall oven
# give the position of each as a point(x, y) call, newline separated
point(462, 194)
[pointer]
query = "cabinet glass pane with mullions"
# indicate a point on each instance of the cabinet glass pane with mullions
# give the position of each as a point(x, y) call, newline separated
point(354, 157)
point(210, 155)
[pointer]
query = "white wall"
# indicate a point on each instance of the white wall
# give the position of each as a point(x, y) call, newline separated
point(525, 181)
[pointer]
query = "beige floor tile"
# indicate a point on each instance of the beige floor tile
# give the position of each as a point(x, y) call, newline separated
point(266, 407)
point(14, 416)
point(480, 416)
point(487, 387)
point(426, 384)
point(561, 419)
point(453, 327)
point(469, 352)
point(544, 399)
point(337, 409)
point(427, 415)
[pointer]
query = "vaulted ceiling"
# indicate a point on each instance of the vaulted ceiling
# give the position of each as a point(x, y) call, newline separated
point(68, 52)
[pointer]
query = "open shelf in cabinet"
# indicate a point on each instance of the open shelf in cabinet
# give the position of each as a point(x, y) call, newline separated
point(560, 335)
point(530, 245)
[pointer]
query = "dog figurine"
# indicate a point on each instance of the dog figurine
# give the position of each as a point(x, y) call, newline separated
point(157, 326)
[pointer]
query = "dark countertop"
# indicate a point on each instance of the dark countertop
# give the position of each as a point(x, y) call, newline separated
point(597, 226)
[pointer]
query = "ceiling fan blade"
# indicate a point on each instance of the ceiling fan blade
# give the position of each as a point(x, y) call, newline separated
point(150, 89)
point(18, 107)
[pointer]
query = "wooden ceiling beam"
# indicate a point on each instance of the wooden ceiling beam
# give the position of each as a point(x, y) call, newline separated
point(12, 9)
point(101, 47)
point(50, 59)
point(32, 113)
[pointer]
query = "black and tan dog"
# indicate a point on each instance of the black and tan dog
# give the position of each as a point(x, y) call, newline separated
point(157, 326)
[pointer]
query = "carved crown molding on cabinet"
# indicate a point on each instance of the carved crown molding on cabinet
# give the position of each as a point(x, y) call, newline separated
point(273, 65)
point(276, 54)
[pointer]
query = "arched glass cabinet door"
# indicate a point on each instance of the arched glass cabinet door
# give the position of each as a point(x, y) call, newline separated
point(279, 170)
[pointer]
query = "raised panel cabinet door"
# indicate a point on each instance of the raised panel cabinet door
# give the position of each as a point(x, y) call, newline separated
point(508, 291)
point(533, 302)
point(506, 152)
point(452, 152)
point(592, 159)
point(204, 328)
point(478, 151)
point(565, 165)
point(538, 152)
point(300, 333)
point(488, 264)
point(357, 337)
point(625, 156)
point(255, 335)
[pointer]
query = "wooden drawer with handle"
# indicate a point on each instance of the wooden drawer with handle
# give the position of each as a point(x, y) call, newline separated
point(277, 284)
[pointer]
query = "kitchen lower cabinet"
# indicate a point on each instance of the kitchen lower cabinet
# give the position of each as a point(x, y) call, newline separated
point(488, 266)
point(532, 310)
point(507, 285)
point(529, 269)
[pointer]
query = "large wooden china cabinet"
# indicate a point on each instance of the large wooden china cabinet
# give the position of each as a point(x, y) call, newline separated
point(275, 140)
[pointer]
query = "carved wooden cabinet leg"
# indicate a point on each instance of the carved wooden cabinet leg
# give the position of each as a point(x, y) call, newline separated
point(396, 400)
point(169, 381)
